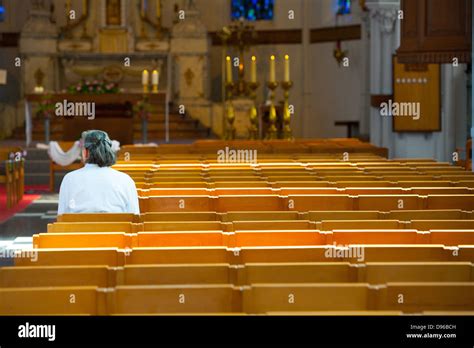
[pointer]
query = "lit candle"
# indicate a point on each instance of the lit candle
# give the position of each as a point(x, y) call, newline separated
point(145, 78)
point(287, 68)
point(155, 78)
point(228, 65)
point(272, 69)
point(253, 70)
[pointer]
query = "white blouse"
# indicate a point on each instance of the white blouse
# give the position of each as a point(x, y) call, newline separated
point(92, 189)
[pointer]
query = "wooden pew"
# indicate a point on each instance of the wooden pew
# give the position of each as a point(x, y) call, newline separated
point(452, 237)
point(49, 276)
point(158, 299)
point(179, 216)
point(181, 239)
point(297, 273)
point(390, 272)
point(409, 215)
point(263, 298)
point(419, 297)
point(389, 202)
point(84, 240)
point(75, 227)
point(464, 202)
point(426, 225)
point(174, 274)
point(179, 255)
point(343, 215)
point(78, 256)
point(356, 237)
point(99, 217)
point(305, 203)
point(88, 300)
point(330, 225)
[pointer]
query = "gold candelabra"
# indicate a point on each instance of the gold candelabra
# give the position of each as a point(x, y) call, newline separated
point(287, 132)
point(272, 132)
point(229, 113)
point(253, 113)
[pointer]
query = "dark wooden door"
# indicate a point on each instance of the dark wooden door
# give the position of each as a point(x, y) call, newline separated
point(435, 31)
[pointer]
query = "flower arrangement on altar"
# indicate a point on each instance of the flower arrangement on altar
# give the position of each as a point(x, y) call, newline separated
point(142, 108)
point(93, 87)
point(45, 107)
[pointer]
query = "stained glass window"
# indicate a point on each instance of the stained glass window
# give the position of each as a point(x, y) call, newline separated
point(252, 10)
point(344, 7)
point(2, 11)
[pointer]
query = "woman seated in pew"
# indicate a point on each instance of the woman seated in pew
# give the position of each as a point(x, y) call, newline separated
point(97, 188)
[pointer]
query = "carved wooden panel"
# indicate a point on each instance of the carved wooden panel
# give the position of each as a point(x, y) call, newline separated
point(416, 89)
point(435, 31)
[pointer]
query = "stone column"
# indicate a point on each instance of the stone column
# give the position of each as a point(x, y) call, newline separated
point(38, 48)
point(365, 78)
point(306, 118)
point(190, 54)
point(384, 40)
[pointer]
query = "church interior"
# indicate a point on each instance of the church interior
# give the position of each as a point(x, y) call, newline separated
point(290, 157)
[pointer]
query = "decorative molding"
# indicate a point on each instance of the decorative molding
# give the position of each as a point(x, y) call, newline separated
point(385, 12)
point(386, 18)
point(433, 57)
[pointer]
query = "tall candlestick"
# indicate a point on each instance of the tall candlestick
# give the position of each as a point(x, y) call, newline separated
point(228, 66)
point(253, 70)
point(287, 68)
point(272, 69)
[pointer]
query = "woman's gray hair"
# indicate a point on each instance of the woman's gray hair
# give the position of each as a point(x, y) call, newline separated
point(99, 145)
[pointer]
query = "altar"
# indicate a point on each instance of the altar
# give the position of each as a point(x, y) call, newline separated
point(114, 42)
point(113, 113)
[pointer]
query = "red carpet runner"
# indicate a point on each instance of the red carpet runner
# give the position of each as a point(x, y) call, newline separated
point(5, 213)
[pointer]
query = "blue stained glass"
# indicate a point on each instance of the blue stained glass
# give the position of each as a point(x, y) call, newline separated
point(252, 10)
point(2, 13)
point(344, 7)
